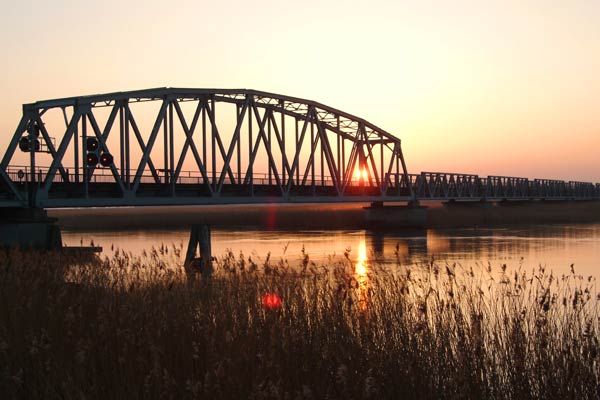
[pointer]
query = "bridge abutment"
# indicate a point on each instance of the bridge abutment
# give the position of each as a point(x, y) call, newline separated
point(29, 228)
point(379, 216)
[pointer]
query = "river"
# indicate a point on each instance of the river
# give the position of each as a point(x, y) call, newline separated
point(554, 246)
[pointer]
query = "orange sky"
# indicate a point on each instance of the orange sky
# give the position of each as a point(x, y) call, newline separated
point(503, 88)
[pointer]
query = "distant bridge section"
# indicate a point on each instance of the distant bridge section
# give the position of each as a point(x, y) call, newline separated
point(170, 146)
point(464, 187)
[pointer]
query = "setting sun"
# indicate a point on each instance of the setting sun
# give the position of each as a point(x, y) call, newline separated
point(361, 174)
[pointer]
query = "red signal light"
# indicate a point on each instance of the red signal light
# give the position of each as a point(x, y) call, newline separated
point(106, 159)
point(91, 159)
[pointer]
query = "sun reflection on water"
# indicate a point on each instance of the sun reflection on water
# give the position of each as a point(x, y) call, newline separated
point(361, 275)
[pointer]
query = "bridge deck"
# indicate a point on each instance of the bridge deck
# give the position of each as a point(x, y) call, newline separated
point(102, 191)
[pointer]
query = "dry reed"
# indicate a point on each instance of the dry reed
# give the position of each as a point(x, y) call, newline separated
point(134, 327)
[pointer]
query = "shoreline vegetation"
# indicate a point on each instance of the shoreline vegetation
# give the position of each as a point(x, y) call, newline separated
point(126, 326)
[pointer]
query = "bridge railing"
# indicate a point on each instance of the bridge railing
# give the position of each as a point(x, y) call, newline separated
point(22, 174)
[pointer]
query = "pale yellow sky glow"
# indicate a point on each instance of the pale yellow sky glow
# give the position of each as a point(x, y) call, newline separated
point(501, 88)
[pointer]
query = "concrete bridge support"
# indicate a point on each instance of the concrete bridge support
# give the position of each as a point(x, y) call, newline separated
point(29, 228)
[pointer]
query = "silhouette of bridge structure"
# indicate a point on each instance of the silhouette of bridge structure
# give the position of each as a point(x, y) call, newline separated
point(222, 146)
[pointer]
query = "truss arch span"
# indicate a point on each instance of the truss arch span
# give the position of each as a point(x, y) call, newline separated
point(199, 146)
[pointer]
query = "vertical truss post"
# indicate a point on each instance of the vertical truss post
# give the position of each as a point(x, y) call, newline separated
point(171, 149)
point(382, 178)
point(122, 138)
point(75, 149)
point(32, 187)
point(213, 135)
point(204, 133)
point(405, 171)
point(251, 165)
point(339, 141)
point(283, 158)
point(267, 114)
point(127, 150)
point(31, 136)
point(83, 148)
point(238, 143)
point(361, 163)
point(343, 164)
point(312, 157)
point(321, 140)
point(297, 152)
point(166, 146)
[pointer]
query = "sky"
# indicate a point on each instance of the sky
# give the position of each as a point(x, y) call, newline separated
point(484, 87)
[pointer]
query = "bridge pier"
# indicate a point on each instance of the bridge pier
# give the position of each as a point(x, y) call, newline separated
point(199, 238)
point(29, 228)
point(412, 215)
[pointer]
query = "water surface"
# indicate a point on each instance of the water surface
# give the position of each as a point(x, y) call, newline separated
point(553, 246)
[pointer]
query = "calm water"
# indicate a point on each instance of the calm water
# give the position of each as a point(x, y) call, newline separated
point(554, 246)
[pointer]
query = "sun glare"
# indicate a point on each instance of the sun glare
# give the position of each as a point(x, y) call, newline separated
point(361, 174)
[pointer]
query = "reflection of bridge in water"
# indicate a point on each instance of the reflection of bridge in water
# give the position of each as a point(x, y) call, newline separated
point(206, 146)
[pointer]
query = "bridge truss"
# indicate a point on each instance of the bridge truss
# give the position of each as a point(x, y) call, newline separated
point(170, 146)
point(199, 146)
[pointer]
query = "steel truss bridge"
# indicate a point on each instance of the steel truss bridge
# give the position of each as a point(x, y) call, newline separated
point(170, 146)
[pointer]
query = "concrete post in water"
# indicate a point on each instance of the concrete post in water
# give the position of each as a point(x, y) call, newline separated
point(29, 228)
point(199, 237)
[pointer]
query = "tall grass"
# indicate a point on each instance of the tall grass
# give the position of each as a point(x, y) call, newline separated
point(135, 327)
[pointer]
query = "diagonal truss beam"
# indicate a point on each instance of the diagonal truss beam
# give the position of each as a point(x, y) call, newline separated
point(140, 140)
point(235, 140)
point(62, 148)
point(189, 143)
point(146, 155)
